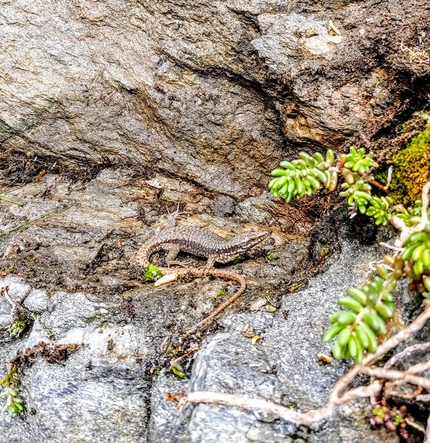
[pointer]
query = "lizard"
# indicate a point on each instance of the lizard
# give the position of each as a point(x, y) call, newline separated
point(203, 243)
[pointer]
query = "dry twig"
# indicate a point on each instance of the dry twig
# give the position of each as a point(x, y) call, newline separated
point(5, 292)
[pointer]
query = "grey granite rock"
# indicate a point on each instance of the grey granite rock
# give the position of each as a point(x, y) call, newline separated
point(282, 366)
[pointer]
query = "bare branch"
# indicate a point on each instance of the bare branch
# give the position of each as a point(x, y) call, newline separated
point(415, 425)
point(391, 392)
point(336, 397)
point(406, 353)
point(254, 404)
point(424, 215)
point(371, 390)
point(234, 276)
point(394, 248)
point(427, 434)
point(5, 292)
point(378, 185)
point(389, 177)
point(193, 349)
point(391, 374)
point(419, 367)
point(400, 224)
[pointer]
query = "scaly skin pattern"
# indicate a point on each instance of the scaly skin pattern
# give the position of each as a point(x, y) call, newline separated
point(198, 241)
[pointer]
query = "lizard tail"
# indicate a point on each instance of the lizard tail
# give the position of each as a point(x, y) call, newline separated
point(222, 274)
point(142, 256)
point(142, 261)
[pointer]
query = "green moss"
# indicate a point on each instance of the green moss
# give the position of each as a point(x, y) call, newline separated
point(411, 167)
point(381, 175)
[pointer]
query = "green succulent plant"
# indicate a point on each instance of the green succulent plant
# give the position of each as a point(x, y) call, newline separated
point(303, 176)
point(365, 310)
point(368, 308)
point(14, 404)
point(417, 252)
point(358, 161)
point(381, 209)
point(308, 174)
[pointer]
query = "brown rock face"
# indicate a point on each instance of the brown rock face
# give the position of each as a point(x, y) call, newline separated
point(214, 92)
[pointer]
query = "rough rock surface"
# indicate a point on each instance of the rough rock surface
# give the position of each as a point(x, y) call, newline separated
point(116, 113)
point(73, 270)
point(282, 366)
point(210, 91)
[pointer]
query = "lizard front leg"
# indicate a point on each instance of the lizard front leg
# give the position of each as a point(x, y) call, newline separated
point(173, 251)
point(211, 261)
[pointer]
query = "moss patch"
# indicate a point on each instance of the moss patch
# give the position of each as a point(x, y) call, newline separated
point(411, 167)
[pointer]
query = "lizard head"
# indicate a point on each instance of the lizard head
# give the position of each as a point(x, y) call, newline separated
point(246, 240)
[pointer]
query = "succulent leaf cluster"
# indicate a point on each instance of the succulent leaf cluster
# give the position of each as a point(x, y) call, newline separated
point(16, 328)
point(306, 175)
point(303, 176)
point(368, 307)
point(13, 402)
point(394, 419)
point(412, 214)
point(417, 252)
point(358, 192)
point(358, 161)
point(357, 188)
point(381, 209)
